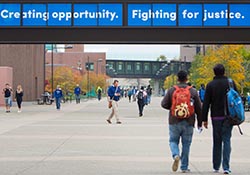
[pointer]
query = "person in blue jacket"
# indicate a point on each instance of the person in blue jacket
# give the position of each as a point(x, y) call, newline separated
point(77, 93)
point(58, 95)
point(114, 96)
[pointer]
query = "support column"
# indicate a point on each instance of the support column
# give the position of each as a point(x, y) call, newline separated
point(156, 87)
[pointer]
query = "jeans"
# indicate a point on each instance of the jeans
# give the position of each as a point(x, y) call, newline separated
point(78, 98)
point(184, 131)
point(58, 103)
point(148, 99)
point(222, 132)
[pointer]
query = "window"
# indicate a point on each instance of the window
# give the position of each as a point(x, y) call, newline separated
point(138, 66)
point(120, 66)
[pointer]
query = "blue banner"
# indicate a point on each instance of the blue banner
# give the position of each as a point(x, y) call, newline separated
point(35, 15)
point(215, 15)
point(10, 14)
point(112, 15)
point(190, 15)
point(239, 15)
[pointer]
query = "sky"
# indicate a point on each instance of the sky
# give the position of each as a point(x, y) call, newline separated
point(135, 51)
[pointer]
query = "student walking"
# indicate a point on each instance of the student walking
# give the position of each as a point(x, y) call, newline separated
point(215, 96)
point(149, 93)
point(19, 97)
point(58, 95)
point(99, 93)
point(77, 92)
point(7, 91)
point(114, 97)
point(183, 102)
point(141, 96)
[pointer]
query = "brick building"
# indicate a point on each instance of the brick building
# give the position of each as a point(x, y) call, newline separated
point(27, 62)
point(74, 56)
point(30, 61)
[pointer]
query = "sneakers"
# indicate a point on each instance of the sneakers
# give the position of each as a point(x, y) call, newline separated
point(109, 121)
point(186, 171)
point(227, 172)
point(216, 171)
point(176, 163)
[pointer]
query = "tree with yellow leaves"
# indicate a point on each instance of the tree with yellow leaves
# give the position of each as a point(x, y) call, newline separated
point(170, 81)
point(228, 55)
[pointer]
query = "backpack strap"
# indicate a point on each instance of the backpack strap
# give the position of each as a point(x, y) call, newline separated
point(230, 83)
point(176, 87)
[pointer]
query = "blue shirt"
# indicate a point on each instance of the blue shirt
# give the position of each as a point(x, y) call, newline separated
point(77, 90)
point(111, 92)
point(58, 93)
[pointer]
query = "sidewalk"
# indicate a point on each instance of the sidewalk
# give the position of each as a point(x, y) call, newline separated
point(78, 141)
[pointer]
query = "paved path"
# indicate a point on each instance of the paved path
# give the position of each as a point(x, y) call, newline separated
point(78, 141)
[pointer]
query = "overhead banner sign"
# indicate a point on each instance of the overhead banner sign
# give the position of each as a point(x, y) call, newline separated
point(113, 15)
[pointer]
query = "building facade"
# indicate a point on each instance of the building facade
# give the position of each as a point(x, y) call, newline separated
point(30, 61)
point(27, 61)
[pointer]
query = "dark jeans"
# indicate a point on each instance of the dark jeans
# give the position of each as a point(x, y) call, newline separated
point(222, 132)
point(58, 103)
point(78, 98)
point(140, 106)
point(99, 96)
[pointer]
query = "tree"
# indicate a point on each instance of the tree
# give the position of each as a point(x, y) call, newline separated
point(64, 76)
point(162, 58)
point(170, 81)
point(228, 55)
point(246, 65)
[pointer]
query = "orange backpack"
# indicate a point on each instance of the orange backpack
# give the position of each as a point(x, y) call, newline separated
point(182, 103)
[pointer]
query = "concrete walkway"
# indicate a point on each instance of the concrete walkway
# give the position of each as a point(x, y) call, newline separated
point(78, 141)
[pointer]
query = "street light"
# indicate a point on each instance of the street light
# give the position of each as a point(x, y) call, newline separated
point(87, 68)
point(52, 63)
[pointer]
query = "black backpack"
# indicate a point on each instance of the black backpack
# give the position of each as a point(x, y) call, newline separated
point(140, 95)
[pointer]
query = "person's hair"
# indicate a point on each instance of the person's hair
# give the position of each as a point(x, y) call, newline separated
point(219, 69)
point(116, 81)
point(182, 76)
point(7, 84)
point(142, 88)
point(19, 88)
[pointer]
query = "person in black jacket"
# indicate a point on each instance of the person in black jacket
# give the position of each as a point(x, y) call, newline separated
point(215, 97)
point(141, 96)
point(19, 97)
point(182, 128)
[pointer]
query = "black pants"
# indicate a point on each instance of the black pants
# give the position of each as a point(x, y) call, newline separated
point(140, 106)
point(19, 102)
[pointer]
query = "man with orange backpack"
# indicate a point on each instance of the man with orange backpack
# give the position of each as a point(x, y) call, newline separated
point(183, 102)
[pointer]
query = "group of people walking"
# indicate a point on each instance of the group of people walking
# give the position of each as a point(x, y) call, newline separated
point(186, 105)
point(182, 119)
point(8, 97)
point(114, 93)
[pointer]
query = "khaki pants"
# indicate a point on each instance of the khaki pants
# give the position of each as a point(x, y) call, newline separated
point(114, 111)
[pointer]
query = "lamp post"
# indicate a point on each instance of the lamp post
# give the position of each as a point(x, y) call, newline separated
point(52, 63)
point(88, 67)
